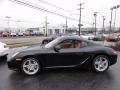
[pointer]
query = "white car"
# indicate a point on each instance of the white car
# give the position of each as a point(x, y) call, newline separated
point(88, 36)
point(13, 34)
point(3, 50)
point(20, 34)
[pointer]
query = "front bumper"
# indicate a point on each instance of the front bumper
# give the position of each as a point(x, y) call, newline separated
point(14, 65)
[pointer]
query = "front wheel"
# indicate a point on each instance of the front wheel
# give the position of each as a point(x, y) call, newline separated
point(30, 66)
point(100, 63)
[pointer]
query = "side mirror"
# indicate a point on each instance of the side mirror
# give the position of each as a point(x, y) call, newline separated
point(57, 48)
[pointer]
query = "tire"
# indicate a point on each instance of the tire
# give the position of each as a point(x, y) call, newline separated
point(100, 64)
point(30, 66)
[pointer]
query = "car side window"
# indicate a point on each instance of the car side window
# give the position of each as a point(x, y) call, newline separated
point(72, 44)
point(80, 44)
point(77, 44)
point(84, 44)
point(66, 44)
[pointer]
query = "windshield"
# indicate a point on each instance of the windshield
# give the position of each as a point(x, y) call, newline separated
point(52, 43)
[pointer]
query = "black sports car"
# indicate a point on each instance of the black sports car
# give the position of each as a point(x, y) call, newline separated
point(63, 52)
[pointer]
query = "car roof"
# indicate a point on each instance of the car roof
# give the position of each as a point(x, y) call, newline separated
point(72, 37)
point(77, 38)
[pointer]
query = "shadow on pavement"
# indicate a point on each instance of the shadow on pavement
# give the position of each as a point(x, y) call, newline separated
point(61, 78)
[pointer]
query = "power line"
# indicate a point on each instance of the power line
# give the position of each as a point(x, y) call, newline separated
point(38, 8)
point(62, 8)
point(58, 7)
point(42, 9)
point(20, 20)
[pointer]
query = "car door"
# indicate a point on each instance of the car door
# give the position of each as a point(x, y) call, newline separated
point(74, 55)
point(68, 55)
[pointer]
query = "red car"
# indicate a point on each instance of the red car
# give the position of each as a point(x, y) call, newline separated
point(5, 34)
point(113, 38)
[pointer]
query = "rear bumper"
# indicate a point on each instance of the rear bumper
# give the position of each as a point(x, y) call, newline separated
point(113, 59)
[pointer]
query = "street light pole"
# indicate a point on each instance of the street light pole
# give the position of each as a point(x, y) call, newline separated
point(80, 18)
point(93, 27)
point(111, 20)
point(115, 7)
point(46, 26)
point(115, 16)
point(95, 15)
point(18, 21)
point(66, 25)
point(103, 24)
point(8, 22)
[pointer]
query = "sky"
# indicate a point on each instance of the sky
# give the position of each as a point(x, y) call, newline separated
point(29, 17)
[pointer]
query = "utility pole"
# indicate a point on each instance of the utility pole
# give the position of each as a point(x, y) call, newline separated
point(18, 27)
point(80, 18)
point(115, 7)
point(8, 22)
point(92, 29)
point(95, 15)
point(111, 19)
point(66, 26)
point(115, 15)
point(46, 26)
point(103, 24)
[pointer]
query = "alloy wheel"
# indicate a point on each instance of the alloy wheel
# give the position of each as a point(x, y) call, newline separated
point(30, 66)
point(101, 63)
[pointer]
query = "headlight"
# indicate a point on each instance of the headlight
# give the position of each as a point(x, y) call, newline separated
point(15, 54)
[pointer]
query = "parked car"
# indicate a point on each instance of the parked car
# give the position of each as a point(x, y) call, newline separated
point(3, 50)
point(13, 34)
point(5, 34)
point(99, 37)
point(112, 38)
point(116, 46)
point(64, 52)
point(20, 34)
point(26, 33)
point(88, 36)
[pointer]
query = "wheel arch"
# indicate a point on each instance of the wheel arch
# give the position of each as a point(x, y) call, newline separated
point(33, 56)
point(100, 54)
point(93, 56)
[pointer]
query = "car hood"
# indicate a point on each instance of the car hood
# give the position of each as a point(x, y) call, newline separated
point(33, 48)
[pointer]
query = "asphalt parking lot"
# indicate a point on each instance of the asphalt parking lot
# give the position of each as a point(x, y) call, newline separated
point(60, 79)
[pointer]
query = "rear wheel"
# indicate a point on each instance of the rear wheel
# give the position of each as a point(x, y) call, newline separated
point(30, 66)
point(100, 63)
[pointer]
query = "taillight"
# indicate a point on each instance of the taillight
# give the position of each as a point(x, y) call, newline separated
point(114, 51)
point(6, 46)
